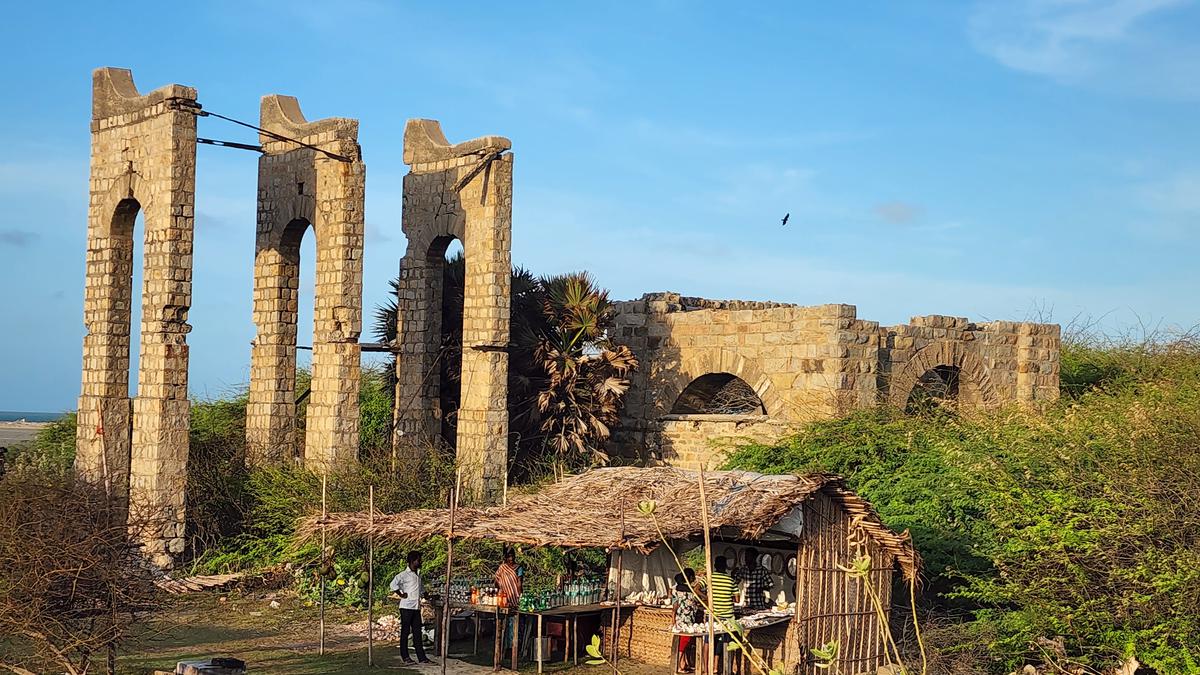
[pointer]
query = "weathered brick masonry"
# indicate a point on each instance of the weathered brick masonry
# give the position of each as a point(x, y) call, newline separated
point(793, 364)
point(143, 159)
point(298, 188)
point(808, 363)
point(464, 192)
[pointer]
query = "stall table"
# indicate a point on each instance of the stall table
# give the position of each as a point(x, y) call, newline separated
point(569, 614)
point(717, 630)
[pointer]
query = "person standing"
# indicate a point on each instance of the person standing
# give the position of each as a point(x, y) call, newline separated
point(407, 587)
point(688, 612)
point(723, 587)
point(508, 581)
point(508, 578)
point(757, 579)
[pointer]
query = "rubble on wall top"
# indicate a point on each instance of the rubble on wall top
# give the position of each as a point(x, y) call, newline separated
point(681, 303)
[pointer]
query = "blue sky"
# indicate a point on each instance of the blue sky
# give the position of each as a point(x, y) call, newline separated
point(987, 159)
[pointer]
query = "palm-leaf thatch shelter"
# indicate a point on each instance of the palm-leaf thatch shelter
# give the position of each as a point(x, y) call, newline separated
point(812, 525)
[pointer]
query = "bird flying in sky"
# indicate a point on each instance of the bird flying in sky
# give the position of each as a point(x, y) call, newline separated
point(785, 218)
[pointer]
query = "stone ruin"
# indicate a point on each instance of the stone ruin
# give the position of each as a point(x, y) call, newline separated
point(300, 188)
point(463, 192)
point(787, 365)
point(143, 159)
point(711, 370)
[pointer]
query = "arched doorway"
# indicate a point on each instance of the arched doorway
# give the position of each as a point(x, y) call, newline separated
point(718, 394)
point(447, 268)
point(941, 374)
point(937, 387)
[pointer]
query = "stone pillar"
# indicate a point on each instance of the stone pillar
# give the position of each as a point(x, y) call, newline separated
point(464, 192)
point(1038, 350)
point(143, 158)
point(298, 187)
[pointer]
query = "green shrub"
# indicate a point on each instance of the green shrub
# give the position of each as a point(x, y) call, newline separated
point(1075, 526)
point(52, 449)
point(907, 467)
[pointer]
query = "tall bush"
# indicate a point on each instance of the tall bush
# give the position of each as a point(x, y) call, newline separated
point(1071, 535)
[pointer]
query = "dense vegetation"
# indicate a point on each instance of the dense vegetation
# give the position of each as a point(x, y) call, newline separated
point(1069, 536)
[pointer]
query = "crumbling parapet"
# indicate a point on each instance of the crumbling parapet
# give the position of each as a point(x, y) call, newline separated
point(461, 191)
point(143, 159)
point(319, 182)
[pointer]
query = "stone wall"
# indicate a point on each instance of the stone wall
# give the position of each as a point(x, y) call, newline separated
point(464, 192)
point(301, 187)
point(807, 363)
point(689, 441)
point(143, 159)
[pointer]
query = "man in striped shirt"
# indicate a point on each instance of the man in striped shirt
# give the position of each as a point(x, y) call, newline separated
point(723, 588)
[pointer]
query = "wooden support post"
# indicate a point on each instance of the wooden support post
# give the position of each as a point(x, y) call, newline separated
point(616, 652)
point(446, 611)
point(516, 641)
point(540, 656)
point(712, 645)
point(370, 575)
point(324, 514)
point(499, 641)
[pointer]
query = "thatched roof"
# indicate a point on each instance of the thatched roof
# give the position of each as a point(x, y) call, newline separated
point(599, 508)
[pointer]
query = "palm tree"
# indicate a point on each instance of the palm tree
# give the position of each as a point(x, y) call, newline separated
point(566, 379)
point(586, 375)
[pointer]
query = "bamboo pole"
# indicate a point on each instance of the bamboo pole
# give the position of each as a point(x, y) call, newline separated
point(445, 646)
point(324, 514)
point(710, 656)
point(371, 575)
point(616, 651)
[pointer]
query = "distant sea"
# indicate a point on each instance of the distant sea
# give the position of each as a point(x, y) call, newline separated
point(16, 415)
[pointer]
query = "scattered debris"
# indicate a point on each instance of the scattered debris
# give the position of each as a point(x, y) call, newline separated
point(197, 583)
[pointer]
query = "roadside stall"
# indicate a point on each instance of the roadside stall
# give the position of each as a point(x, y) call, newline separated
point(808, 531)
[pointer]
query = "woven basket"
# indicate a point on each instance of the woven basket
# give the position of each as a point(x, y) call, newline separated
point(645, 635)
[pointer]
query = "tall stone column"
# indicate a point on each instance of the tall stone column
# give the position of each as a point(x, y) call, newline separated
point(464, 192)
point(143, 158)
point(299, 187)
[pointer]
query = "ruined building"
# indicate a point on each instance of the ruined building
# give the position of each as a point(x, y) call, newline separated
point(143, 160)
point(709, 369)
point(318, 185)
point(726, 370)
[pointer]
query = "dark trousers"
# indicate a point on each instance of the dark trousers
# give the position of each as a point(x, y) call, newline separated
point(410, 621)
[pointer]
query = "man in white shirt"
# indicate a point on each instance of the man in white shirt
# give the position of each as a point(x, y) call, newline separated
point(407, 587)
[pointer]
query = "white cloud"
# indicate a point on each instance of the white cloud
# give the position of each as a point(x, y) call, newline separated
point(1178, 194)
point(1121, 45)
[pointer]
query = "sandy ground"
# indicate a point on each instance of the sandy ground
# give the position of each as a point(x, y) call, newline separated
point(12, 433)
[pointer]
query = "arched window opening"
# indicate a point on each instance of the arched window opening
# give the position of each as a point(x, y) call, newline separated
point(129, 231)
point(305, 261)
point(447, 254)
point(718, 394)
point(937, 387)
point(298, 258)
